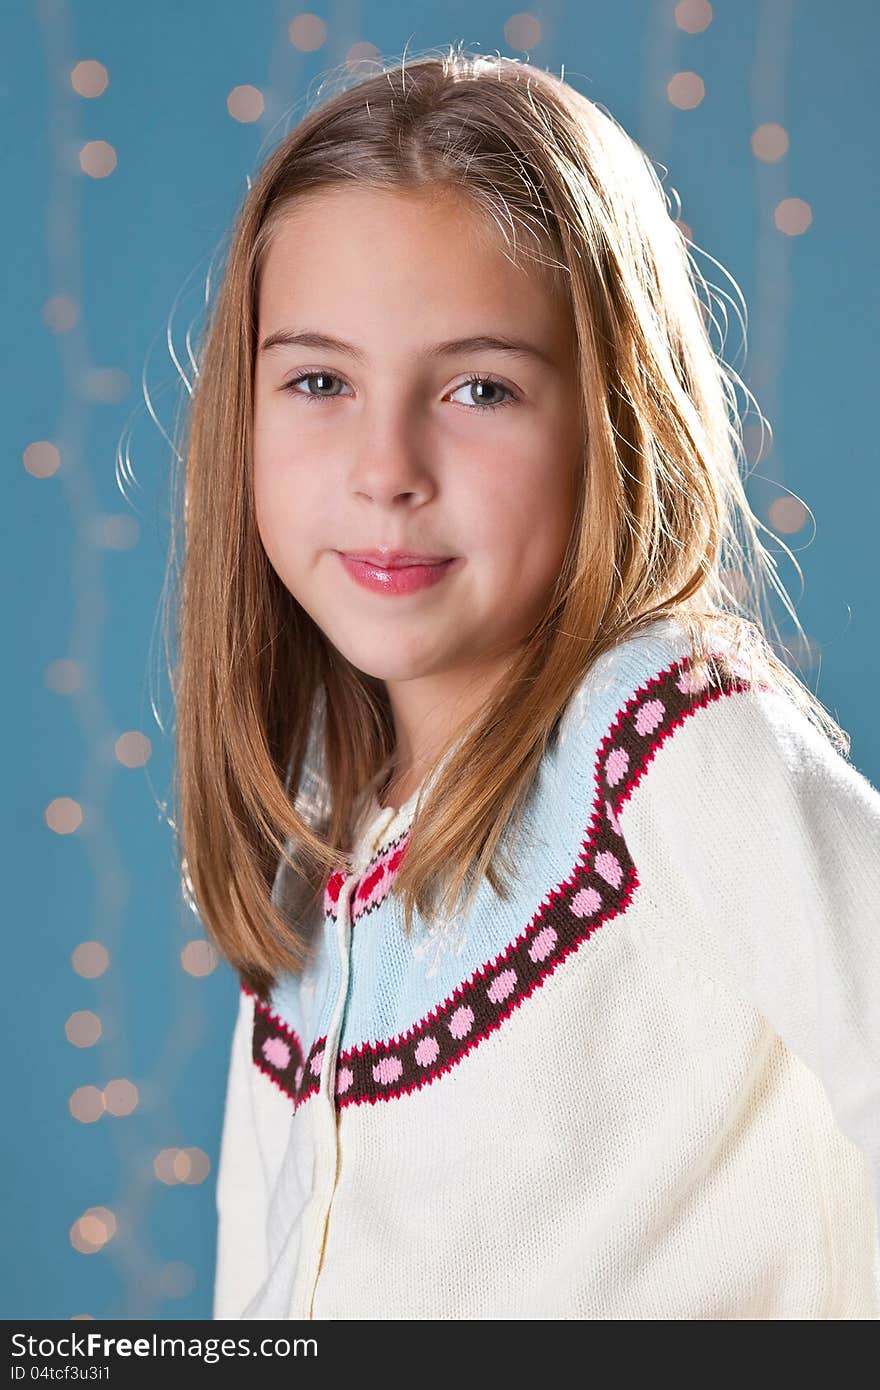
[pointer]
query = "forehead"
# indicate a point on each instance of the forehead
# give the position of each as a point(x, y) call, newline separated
point(362, 256)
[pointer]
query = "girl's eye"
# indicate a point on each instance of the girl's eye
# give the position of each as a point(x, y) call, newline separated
point(311, 376)
point(476, 380)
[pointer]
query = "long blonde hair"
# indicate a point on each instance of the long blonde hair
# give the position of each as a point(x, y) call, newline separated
point(663, 526)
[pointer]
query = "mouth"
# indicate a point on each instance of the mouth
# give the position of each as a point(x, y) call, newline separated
point(397, 573)
point(393, 559)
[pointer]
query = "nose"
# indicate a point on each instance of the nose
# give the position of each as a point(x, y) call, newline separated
point(390, 465)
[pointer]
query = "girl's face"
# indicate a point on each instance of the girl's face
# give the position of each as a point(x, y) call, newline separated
point(379, 441)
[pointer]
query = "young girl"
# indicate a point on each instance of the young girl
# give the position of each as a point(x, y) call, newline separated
point(554, 897)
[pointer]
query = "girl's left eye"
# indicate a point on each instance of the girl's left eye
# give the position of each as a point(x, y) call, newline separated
point(476, 379)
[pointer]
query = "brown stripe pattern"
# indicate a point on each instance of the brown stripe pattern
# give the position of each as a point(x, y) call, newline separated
point(278, 1053)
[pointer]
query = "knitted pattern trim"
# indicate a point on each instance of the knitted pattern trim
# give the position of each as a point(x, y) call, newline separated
point(598, 889)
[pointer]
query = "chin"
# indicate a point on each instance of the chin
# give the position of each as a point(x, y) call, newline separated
point(386, 660)
point(395, 671)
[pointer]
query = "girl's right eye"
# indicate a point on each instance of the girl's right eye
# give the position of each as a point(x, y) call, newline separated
point(312, 376)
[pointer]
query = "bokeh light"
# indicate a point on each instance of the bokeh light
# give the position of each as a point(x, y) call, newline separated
point(83, 1028)
point(245, 104)
point(693, 16)
point(64, 676)
point(89, 78)
point(770, 142)
point(793, 216)
point(120, 532)
point(41, 459)
point(362, 53)
point(787, 515)
point(97, 158)
point(87, 1104)
point(91, 1231)
point(685, 90)
point(90, 959)
point(307, 32)
point(199, 958)
point(133, 749)
point(64, 815)
point(120, 1096)
point(60, 313)
point(105, 384)
point(177, 1280)
point(173, 1166)
point(523, 31)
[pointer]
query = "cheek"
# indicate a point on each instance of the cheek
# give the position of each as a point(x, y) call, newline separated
point(268, 502)
point(521, 516)
point(286, 507)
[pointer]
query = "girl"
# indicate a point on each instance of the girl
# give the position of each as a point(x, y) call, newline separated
point(553, 895)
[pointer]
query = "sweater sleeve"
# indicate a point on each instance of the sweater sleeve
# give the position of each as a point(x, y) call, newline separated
point(757, 846)
point(241, 1193)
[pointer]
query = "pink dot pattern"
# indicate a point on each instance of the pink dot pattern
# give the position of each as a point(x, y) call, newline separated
point(278, 1052)
point(598, 889)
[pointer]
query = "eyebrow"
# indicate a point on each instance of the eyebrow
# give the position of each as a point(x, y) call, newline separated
point(483, 342)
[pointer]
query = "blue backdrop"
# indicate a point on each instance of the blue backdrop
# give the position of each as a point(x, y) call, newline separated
point(130, 132)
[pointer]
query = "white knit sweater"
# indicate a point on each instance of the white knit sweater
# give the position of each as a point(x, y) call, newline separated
point(646, 1086)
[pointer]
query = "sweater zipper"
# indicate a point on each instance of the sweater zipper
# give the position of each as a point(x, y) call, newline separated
point(331, 1046)
point(328, 1079)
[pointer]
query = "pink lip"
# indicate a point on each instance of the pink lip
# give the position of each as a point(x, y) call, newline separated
point(394, 559)
point(404, 574)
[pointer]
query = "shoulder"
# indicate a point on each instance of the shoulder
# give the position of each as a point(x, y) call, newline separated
point(689, 745)
point(617, 677)
point(634, 697)
point(722, 781)
point(648, 683)
point(647, 728)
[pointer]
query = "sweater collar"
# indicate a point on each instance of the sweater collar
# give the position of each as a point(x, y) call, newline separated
point(379, 826)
